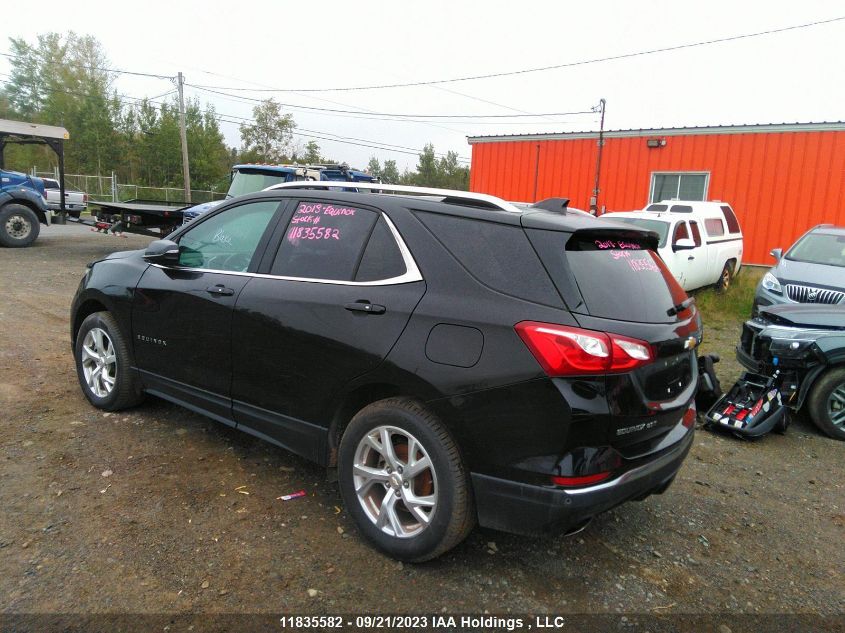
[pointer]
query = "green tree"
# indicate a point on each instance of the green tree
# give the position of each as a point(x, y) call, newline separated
point(268, 138)
point(389, 173)
point(312, 154)
point(374, 167)
point(427, 169)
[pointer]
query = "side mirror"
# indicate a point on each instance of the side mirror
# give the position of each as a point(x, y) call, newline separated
point(162, 252)
point(777, 253)
point(683, 244)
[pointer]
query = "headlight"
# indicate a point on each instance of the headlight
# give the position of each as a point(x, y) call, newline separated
point(771, 283)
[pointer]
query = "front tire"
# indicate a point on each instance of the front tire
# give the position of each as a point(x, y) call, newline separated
point(19, 226)
point(403, 481)
point(827, 403)
point(104, 364)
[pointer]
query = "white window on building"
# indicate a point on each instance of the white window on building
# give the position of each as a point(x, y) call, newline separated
point(679, 186)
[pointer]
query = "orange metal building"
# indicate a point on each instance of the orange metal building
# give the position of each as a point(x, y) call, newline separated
point(780, 179)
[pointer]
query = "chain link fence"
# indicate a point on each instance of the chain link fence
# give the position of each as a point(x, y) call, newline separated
point(108, 189)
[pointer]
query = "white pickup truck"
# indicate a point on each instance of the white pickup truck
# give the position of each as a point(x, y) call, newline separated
point(75, 201)
point(701, 242)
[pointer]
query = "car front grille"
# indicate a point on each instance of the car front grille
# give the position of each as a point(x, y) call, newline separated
point(809, 294)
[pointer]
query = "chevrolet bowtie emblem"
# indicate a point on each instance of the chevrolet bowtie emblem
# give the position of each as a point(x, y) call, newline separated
point(690, 343)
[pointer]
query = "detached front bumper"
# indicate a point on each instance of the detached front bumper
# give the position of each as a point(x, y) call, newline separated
point(521, 508)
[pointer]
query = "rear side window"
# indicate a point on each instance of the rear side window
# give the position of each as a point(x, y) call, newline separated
point(730, 219)
point(715, 227)
point(498, 255)
point(696, 234)
point(657, 207)
point(680, 208)
point(50, 184)
point(324, 241)
point(616, 275)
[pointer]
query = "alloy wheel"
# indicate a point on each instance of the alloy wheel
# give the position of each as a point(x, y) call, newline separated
point(395, 481)
point(99, 363)
point(836, 406)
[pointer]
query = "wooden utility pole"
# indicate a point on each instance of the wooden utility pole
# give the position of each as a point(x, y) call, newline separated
point(594, 202)
point(186, 170)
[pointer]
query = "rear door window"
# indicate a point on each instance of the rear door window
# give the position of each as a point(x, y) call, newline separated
point(336, 242)
point(696, 234)
point(618, 276)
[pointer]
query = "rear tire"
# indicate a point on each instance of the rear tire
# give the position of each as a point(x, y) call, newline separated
point(826, 403)
point(104, 364)
point(725, 278)
point(382, 485)
point(19, 226)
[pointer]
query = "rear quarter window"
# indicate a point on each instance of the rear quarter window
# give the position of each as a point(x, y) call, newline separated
point(498, 255)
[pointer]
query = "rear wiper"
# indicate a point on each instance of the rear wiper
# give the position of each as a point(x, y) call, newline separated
point(683, 305)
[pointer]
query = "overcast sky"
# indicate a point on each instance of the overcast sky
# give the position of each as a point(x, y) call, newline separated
point(785, 77)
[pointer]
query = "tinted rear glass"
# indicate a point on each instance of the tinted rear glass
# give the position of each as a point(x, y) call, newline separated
point(658, 226)
point(617, 276)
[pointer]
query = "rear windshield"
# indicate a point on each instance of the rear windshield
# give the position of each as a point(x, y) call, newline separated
point(658, 226)
point(244, 181)
point(819, 248)
point(616, 275)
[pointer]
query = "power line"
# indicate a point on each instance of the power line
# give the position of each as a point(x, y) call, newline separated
point(524, 71)
point(109, 70)
point(389, 147)
point(406, 116)
point(404, 149)
point(342, 140)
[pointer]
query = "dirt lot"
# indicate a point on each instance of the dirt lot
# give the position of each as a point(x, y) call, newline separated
point(143, 511)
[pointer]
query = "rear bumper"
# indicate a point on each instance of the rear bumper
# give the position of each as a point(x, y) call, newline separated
point(521, 508)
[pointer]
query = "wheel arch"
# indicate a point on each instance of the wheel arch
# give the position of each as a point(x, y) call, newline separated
point(816, 374)
point(352, 403)
point(86, 308)
point(29, 204)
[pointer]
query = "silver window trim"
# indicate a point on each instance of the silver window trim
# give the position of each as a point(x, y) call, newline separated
point(412, 272)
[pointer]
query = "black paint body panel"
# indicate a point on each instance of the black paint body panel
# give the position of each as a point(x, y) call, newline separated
point(285, 359)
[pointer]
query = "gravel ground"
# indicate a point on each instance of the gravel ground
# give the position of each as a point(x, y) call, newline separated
point(146, 511)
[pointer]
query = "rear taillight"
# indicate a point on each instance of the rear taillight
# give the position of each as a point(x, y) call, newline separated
point(562, 350)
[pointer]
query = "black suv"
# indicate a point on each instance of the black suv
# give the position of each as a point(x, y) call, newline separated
point(457, 358)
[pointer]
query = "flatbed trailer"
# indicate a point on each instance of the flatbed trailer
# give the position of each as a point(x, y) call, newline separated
point(144, 217)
